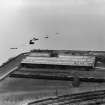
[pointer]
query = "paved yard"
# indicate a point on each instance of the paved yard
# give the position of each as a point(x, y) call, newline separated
point(14, 91)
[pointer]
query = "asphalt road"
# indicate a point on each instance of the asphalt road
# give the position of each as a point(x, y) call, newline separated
point(9, 67)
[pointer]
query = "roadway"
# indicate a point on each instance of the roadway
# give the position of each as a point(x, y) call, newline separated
point(11, 66)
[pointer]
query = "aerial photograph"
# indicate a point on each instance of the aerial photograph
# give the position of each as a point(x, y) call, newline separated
point(52, 52)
